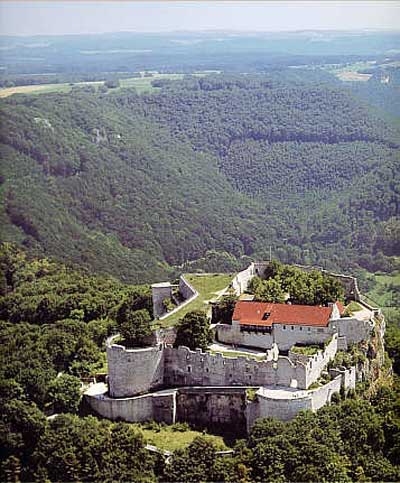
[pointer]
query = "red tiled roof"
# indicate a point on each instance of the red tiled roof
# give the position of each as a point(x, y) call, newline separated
point(252, 313)
point(340, 306)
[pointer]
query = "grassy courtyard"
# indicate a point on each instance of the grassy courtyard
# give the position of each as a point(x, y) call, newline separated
point(208, 287)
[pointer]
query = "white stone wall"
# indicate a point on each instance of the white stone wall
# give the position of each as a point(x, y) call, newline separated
point(231, 334)
point(134, 371)
point(136, 409)
point(286, 336)
point(149, 407)
point(353, 329)
point(188, 292)
point(323, 394)
point(184, 367)
point(317, 363)
point(282, 408)
point(242, 279)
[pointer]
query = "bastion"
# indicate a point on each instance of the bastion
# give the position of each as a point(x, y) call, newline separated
point(163, 383)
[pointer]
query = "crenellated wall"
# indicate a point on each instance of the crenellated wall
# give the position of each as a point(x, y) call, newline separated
point(184, 367)
point(317, 363)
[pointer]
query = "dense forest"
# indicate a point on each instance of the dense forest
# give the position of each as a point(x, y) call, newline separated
point(56, 340)
point(134, 186)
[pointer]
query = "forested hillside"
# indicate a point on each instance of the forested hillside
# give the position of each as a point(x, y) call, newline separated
point(134, 185)
point(54, 321)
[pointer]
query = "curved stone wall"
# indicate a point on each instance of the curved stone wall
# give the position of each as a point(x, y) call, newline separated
point(134, 371)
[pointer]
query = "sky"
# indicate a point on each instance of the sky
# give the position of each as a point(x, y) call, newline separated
point(80, 17)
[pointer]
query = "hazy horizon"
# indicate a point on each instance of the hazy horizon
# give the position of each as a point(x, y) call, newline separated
point(90, 18)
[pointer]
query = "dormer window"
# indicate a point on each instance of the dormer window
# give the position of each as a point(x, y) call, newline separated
point(266, 315)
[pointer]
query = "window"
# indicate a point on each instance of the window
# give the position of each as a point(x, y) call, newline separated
point(309, 329)
point(189, 368)
point(292, 327)
point(284, 327)
point(301, 328)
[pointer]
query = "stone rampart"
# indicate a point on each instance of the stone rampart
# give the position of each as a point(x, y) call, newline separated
point(323, 394)
point(149, 407)
point(134, 371)
point(220, 409)
point(353, 329)
point(186, 289)
point(242, 279)
point(318, 362)
point(184, 367)
point(188, 292)
point(160, 292)
point(283, 405)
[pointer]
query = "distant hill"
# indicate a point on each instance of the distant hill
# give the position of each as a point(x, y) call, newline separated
point(134, 185)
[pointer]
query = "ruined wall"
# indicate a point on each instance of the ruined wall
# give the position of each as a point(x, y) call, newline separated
point(184, 367)
point(317, 363)
point(134, 371)
point(286, 336)
point(353, 329)
point(221, 409)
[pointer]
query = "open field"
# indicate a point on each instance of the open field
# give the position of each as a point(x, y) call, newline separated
point(350, 72)
point(385, 289)
point(141, 84)
point(386, 294)
point(170, 438)
point(44, 88)
point(208, 286)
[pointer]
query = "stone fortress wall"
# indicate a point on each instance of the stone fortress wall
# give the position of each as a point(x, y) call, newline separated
point(165, 384)
point(162, 291)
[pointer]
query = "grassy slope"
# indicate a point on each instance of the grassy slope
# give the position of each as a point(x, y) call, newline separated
point(164, 437)
point(384, 294)
point(207, 286)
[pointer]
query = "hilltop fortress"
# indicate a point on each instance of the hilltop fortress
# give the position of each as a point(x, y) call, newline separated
point(162, 383)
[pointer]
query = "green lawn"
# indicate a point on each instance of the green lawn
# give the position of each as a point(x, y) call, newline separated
point(207, 286)
point(308, 350)
point(167, 437)
point(238, 353)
